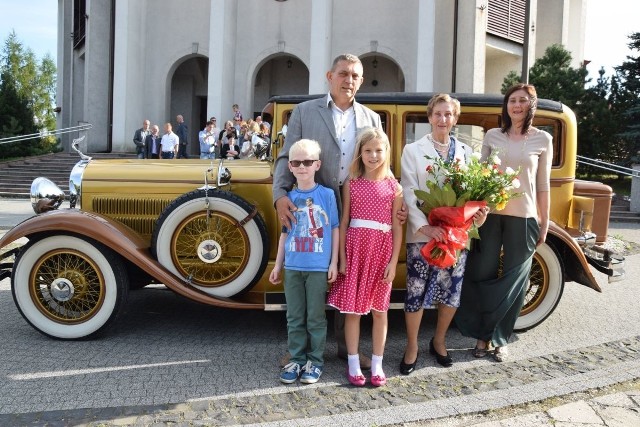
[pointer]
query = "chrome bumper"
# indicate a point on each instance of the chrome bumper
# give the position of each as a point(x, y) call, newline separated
point(603, 260)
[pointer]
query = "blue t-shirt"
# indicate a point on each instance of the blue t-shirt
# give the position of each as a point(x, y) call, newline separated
point(308, 244)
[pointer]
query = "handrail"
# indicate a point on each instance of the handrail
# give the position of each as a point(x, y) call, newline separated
point(622, 170)
point(46, 132)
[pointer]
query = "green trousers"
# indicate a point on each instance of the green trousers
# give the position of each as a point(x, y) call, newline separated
point(490, 304)
point(306, 294)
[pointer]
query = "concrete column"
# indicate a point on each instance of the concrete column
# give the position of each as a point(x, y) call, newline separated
point(635, 189)
point(64, 62)
point(120, 136)
point(320, 45)
point(97, 76)
point(215, 86)
point(471, 47)
point(426, 45)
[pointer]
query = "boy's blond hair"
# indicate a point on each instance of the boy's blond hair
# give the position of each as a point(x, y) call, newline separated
point(309, 146)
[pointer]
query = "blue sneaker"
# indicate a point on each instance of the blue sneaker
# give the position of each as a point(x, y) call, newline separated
point(310, 373)
point(290, 373)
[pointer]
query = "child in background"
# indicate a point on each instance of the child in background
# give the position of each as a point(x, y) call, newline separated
point(370, 240)
point(309, 254)
point(237, 117)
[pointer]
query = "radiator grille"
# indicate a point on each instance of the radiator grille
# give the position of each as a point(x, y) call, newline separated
point(137, 213)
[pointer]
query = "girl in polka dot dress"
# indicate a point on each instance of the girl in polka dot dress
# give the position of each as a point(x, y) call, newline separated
point(370, 240)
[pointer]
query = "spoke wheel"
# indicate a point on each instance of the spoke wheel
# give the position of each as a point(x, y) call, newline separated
point(67, 287)
point(546, 284)
point(211, 250)
point(221, 250)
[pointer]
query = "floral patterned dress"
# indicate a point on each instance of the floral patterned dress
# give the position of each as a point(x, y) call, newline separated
point(368, 251)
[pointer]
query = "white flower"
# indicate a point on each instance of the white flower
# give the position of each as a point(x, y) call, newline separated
point(476, 155)
point(508, 170)
point(515, 183)
point(496, 160)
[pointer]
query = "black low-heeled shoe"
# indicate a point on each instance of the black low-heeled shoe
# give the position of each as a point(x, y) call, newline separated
point(445, 360)
point(407, 368)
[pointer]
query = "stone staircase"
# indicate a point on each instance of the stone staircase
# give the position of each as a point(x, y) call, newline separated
point(16, 175)
point(620, 211)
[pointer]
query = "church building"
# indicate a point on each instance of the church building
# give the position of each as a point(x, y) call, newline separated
point(123, 61)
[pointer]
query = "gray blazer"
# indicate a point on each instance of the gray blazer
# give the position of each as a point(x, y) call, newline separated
point(313, 120)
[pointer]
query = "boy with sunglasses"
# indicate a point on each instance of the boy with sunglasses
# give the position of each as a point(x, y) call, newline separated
point(308, 252)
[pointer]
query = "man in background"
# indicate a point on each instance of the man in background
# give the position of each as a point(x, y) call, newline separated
point(183, 135)
point(139, 139)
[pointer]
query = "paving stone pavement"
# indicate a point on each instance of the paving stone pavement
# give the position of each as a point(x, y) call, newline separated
point(445, 398)
point(493, 394)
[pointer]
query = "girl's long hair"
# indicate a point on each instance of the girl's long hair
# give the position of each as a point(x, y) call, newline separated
point(366, 135)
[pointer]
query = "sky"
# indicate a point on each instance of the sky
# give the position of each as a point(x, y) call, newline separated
point(35, 23)
point(609, 22)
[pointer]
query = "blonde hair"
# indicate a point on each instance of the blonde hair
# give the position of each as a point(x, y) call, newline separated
point(366, 135)
point(253, 127)
point(309, 146)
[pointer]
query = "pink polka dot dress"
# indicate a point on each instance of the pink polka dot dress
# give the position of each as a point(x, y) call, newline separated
point(368, 250)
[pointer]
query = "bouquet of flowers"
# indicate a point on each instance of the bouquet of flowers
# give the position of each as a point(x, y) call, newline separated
point(456, 192)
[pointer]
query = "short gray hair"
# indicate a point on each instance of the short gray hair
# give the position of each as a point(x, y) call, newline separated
point(350, 58)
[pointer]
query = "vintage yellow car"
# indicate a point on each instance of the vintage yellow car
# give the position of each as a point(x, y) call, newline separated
point(207, 229)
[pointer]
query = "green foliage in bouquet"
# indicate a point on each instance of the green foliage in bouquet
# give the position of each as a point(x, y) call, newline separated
point(456, 183)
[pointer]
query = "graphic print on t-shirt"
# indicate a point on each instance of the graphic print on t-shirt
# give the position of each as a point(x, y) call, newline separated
point(308, 234)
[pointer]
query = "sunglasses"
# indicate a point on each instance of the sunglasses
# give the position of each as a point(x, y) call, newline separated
point(297, 163)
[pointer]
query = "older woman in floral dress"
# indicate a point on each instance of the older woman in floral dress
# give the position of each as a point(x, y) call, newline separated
point(429, 285)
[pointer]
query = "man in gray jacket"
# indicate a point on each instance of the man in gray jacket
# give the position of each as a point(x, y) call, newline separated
point(334, 121)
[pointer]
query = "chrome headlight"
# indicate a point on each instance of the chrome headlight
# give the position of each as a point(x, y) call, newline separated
point(45, 195)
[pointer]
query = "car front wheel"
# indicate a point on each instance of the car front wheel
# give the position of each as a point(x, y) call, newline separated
point(67, 287)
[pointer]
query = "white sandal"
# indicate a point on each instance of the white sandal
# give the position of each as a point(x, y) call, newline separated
point(501, 353)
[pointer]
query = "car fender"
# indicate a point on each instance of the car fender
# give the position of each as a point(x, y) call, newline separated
point(576, 265)
point(117, 237)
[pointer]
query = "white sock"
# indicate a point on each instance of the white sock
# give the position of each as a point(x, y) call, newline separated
point(376, 365)
point(354, 365)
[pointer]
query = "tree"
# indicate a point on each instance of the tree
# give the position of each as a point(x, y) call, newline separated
point(16, 118)
point(554, 78)
point(34, 83)
point(628, 102)
point(511, 79)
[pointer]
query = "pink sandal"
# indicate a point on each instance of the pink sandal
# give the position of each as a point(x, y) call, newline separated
point(378, 380)
point(356, 380)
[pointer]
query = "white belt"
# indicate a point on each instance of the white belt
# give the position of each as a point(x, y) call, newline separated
point(366, 223)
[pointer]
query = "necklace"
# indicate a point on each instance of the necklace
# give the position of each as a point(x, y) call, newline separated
point(437, 144)
point(442, 148)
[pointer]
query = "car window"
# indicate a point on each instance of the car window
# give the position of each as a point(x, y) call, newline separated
point(416, 126)
point(384, 119)
point(554, 127)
